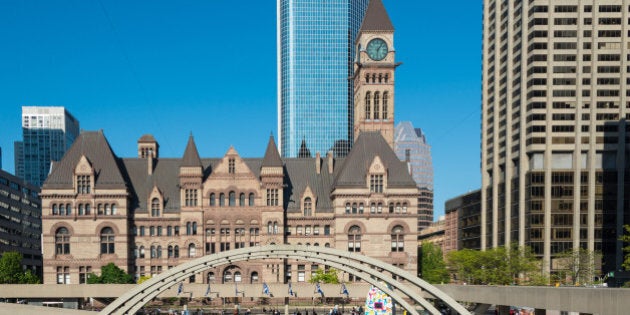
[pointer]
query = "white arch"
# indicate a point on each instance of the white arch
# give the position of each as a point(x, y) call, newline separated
point(353, 263)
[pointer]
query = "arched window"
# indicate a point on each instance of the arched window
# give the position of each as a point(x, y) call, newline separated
point(155, 207)
point(354, 208)
point(241, 200)
point(232, 199)
point(107, 241)
point(153, 251)
point(99, 209)
point(348, 208)
point(88, 209)
point(210, 277)
point(113, 209)
point(192, 250)
point(227, 277)
point(372, 208)
point(368, 105)
point(188, 228)
point(398, 242)
point(194, 228)
point(62, 209)
point(237, 276)
point(275, 227)
point(377, 98)
point(68, 209)
point(152, 230)
point(55, 211)
point(354, 239)
point(62, 241)
point(107, 209)
point(327, 245)
point(398, 208)
point(141, 251)
point(391, 207)
point(379, 207)
point(404, 207)
point(308, 207)
point(213, 200)
point(80, 209)
point(269, 228)
point(159, 251)
point(254, 277)
point(176, 251)
point(221, 200)
point(385, 101)
point(361, 208)
point(251, 199)
point(170, 251)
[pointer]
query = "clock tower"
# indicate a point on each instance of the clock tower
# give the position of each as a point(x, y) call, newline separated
point(374, 70)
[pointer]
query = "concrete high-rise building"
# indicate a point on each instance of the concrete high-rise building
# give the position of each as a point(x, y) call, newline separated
point(21, 221)
point(410, 145)
point(47, 133)
point(315, 58)
point(554, 145)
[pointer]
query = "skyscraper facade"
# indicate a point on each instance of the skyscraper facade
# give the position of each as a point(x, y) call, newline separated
point(554, 145)
point(47, 133)
point(315, 59)
point(411, 146)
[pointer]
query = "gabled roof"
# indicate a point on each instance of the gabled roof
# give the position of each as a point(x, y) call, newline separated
point(272, 157)
point(96, 149)
point(304, 152)
point(354, 170)
point(376, 18)
point(191, 155)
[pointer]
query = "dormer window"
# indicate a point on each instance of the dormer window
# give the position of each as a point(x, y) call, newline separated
point(376, 183)
point(231, 166)
point(155, 207)
point(84, 185)
point(308, 207)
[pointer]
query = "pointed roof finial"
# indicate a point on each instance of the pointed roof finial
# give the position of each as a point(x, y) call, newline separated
point(376, 18)
point(191, 155)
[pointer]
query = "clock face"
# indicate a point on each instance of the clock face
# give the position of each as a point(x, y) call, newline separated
point(377, 49)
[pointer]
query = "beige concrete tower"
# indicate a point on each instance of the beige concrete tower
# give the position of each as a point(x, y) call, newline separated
point(554, 145)
point(374, 74)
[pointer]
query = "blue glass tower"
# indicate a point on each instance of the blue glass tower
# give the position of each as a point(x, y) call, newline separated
point(315, 59)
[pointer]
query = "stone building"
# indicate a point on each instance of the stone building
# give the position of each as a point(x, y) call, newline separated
point(147, 214)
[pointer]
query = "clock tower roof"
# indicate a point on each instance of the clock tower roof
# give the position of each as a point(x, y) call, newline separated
point(376, 18)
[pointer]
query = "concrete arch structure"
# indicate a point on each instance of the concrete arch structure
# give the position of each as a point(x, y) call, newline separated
point(369, 269)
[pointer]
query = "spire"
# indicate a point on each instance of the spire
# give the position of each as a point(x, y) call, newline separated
point(191, 155)
point(272, 157)
point(376, 18)
point(304, 151)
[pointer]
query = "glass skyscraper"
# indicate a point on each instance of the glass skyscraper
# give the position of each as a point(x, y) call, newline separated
point(315, 59)
point(48, 132)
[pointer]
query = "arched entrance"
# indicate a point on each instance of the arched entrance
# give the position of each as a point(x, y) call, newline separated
point(369, 269)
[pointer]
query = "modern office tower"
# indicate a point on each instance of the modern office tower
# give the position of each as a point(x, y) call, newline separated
point(463, 221)
point(315, 58)
point(410, 145)
point(48, 132)
point(554, 132)
point(0, 158)
point(21, 221)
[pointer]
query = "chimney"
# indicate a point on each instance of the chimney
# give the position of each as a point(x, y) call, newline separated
point(318, 163)
point(150, 163)
point(330, 162)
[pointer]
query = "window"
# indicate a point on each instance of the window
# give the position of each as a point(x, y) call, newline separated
point(301, 273)
point(275, 227)
point(213, 201)
point(155, 207)
point(159, 231)
point(63, 275)
point(272, 197)
point(83, 184)
point(142, 230)
point(385, 97)
point(232, 199)
point(62, 241)
point(316, 230)
point(227, 277)
point(326, 229)
point(241, 200)
point(221, 200)
point(192, 250)
point(107, 241)
point(55, 210)
point(84, 272)
point(354, 239)
point(254, 277)
point(372, 208)
point(153, 251)
point(398, 243)
point(170, 253)
point(159, 251)
point(191, 197)
point(152, 231)
point(377, 98)
point(251, 199)
point(348, 208)
point(194, 228)
point(169, 231)
point(308, 204)
point(176, 251)
point(237, 276)
point(376, 183)
point(231, 166)
point(80, 210)
point(269, 228)
point(107, 211)
point(368, 97)
point(210, 277)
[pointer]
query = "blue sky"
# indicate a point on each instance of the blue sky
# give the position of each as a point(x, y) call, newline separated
point(170, 68)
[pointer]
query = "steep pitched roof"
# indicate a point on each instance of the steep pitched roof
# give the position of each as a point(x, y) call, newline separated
point(353, 171)
point(299, 174)
point(94, 146)
point(272, 157)
point(304, 152)
point(376, 18)
point(191, 155)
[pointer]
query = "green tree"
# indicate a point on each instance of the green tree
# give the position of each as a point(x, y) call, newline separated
point(579, 265)
point(626, 239)
point(11, 271)
point(110, 273)
point(433, 265)
point(493, 266)
point(323, 276)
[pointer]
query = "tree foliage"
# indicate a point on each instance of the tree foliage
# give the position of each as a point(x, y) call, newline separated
point(433, 265)
point(324, 276)
point(579, 265)
point(110, 273)
point(494, 266)
point(11, 271)
point(626, 239)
